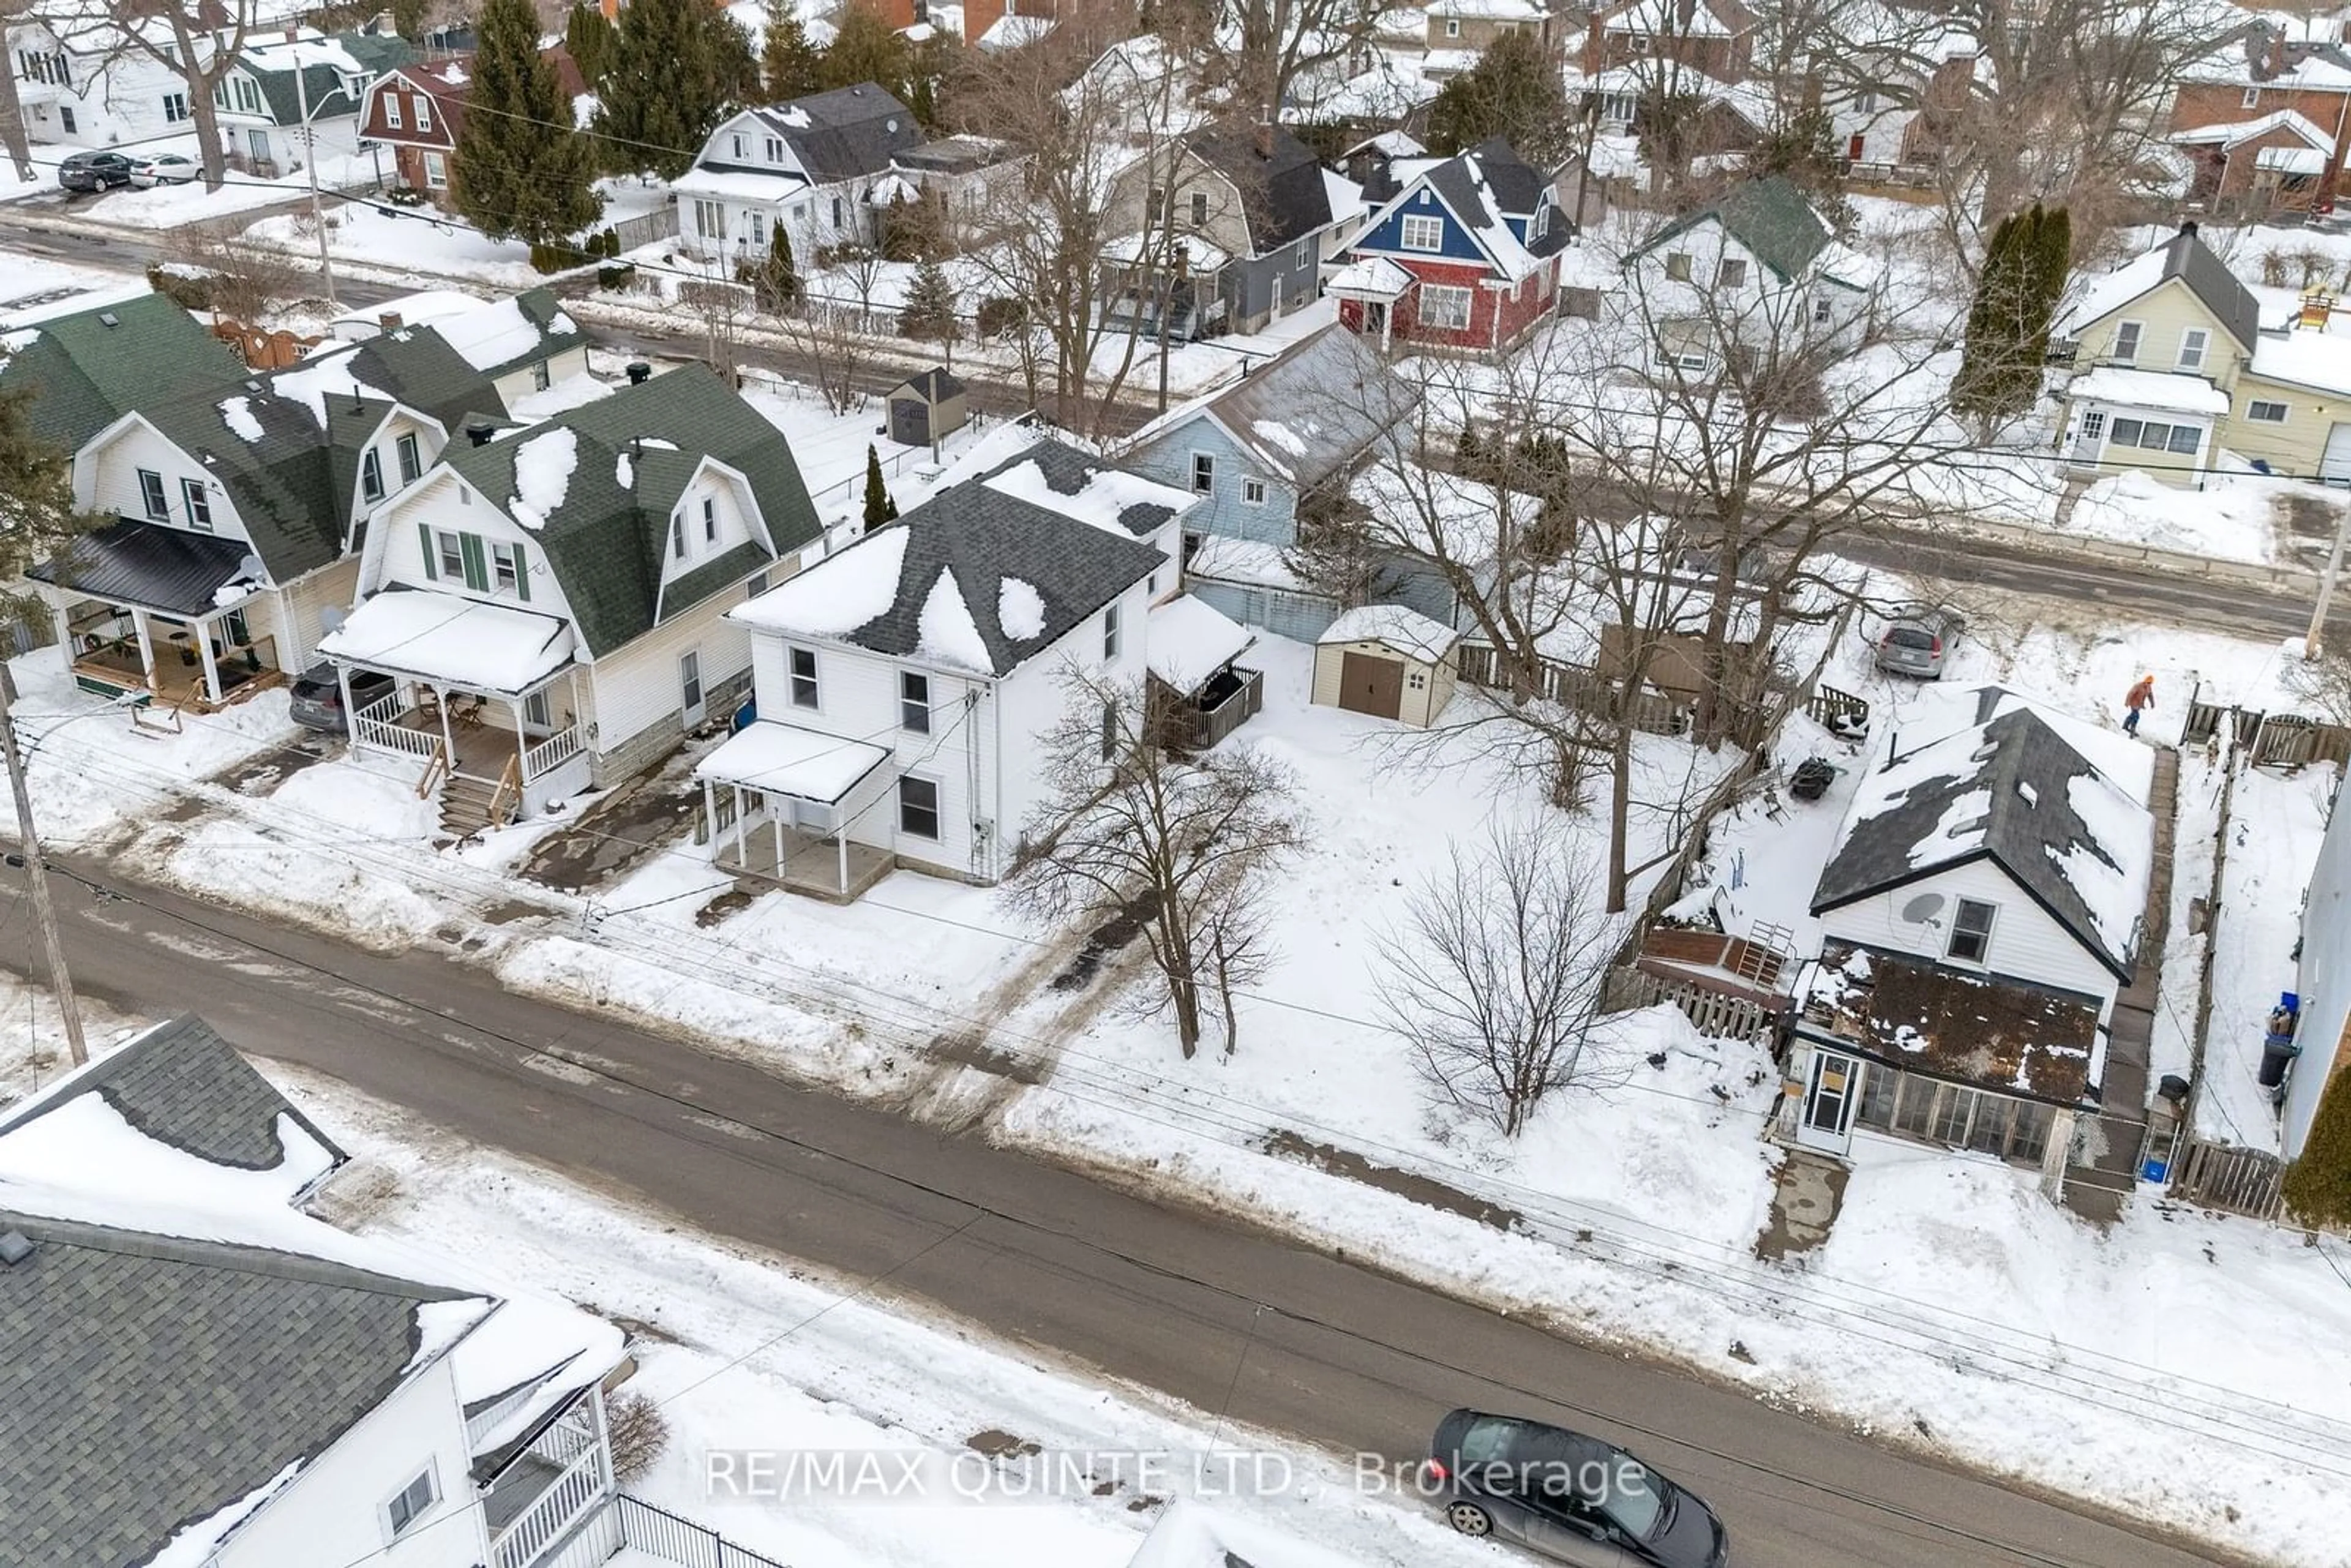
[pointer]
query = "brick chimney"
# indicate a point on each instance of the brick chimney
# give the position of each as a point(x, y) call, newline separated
point(1265, 138)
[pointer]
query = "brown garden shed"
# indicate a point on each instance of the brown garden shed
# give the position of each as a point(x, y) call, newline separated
point(1386, 661)
point(927, 408)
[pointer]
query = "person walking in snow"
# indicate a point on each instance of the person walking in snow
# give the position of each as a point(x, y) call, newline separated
point(2138, 699)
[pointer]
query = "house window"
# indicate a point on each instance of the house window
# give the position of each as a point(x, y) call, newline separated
point(774, 150)
point(2126, 336)
point(412, 463)
point(1865, 102)
point(1204, 473)
point(709, 521)
point(411, 1503)
point(540, 376)
point(757, 584)
point(1971, 932)
point(758, 228)
point(709, 220)
point(1157, 207)
point(1453, 26)
point(689, 680)
point(450, 550)
point(506, 569)
point(2094, 425)
point(199, 506)
point(437, 171)
point(677, 534)
point(1445, 308)
point(737, 142)
point(1110, 634)
point(371, 476)
point(918, 808)
point(1253, 492)
point(1677, 267)
point(2251, 99)
point(1200, 209)
point(803, 670)
point(535, 714)
point(392, 111)
point(914, 701)
point(1421, 232)
point(2192, 344)
point(836, 211)
point(1731, 273)
point(151, 494)
point(2153, 436)
point(2262, 412)
point(423, 113)
point(175, 108)
point(1821, 312)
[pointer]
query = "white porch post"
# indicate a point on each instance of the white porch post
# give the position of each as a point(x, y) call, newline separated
point(201, 630)
point(449, 741)
point(778, 823)
point(710, 815)
point(146, 651)
point(522, 738)
point(841, 844)
point(64, 634)
point(350, 716)
point(741, 828)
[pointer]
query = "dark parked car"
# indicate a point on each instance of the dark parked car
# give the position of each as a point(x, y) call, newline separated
point(94, 170)
point(1567, 1497)
point(317, 701)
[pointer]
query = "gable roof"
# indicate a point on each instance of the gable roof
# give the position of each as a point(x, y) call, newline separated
point(87, 370)
point(1284, 198)
point(2014, 787)
point(988, 573)
point(2184, 256)
point(1305, 417)
point(631, 454)
point(1483, 188)
point(325, 66)
point(838, 135)
point(1768, 217)
point(935, 385)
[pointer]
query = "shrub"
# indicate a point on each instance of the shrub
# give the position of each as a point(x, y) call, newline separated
point(2318, 1186)
point(637, 1432)
point(1002, 316)
point(617, 276)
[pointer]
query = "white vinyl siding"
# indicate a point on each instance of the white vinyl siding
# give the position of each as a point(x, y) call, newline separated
point(2027, 943)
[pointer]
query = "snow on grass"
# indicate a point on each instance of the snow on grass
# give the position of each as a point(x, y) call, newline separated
point(2232, 517)
point(432, 243)
point(370, 795)
point(33, 1051)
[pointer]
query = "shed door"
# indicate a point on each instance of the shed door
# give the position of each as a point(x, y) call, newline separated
point(909, 422)
point(1371, 684)
point(2337, 463)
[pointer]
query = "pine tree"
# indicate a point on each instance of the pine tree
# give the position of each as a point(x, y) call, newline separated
point(2007, 323)
point(790, 66)
point(2317, 1186)
point(661, 96)
point(866, 48)
point(879, 508)
point(519, 171)
point(37, 502)
point(929, 312)
point(1514, 93)
point(778, 282)
point(588, 38)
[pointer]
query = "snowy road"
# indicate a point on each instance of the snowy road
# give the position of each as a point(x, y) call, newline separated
point(1271, 1334)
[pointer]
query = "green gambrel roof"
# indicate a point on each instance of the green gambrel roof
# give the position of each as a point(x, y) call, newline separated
point(1770, 217)
point(631, 455)
point(85, 373)
point(375, 54)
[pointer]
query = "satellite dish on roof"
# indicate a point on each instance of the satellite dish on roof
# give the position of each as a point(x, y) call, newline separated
point(248, 568)
point(1922, 910)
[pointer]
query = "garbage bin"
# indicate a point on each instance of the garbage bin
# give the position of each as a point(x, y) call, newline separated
point(2276, 1051)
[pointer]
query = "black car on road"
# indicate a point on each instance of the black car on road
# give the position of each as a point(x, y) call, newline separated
point(1567, 1497)
point(94, 170)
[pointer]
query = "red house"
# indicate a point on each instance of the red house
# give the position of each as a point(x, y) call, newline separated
point(1462, 253)
point(417, 111)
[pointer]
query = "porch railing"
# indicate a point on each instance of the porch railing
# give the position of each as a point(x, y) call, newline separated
point(565, 1502)
point(658, 1532)
point(1206, 727)
point(551, 753)
point(376, 726)
point(508, 794)
point(436, 768)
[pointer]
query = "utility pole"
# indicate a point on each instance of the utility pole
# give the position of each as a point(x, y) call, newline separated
point(310, 158)
point(36, 870)
point(2310, 644)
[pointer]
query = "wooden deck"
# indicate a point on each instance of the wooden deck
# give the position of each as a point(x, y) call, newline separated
point(806, 864)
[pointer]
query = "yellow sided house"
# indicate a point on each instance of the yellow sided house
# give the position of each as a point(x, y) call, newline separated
point(2175, 359)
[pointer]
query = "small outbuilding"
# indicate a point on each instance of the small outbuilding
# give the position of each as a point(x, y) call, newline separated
point(927, 408)
point(1386, 661)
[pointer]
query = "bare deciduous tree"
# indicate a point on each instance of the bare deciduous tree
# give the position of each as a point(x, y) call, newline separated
point(1497, 978)
point(1128, 829)
point(243, 278)
point(200, 41)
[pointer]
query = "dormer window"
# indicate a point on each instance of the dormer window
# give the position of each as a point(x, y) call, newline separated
point(709, 521)
point(677, 534)
point(775, 148)
point(423, 113)
point(737, 142)
point(391, 110)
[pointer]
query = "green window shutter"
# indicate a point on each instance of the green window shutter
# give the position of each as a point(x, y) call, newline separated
point(432, 562)
point(522, 573)
point(478, 574)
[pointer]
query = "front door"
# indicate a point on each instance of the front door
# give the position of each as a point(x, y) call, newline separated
point(256, 142)
point(1371, 685)
point(909, 422)
point(2090, 436)
point(689, 687)
point(1830, 1095)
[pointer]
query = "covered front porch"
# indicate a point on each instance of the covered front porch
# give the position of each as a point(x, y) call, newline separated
point(2160, 421)
point(1368, 292)
point(778, 804)
point(157, 613)
point(482, 694)
point(1199, 694)
point(550, 1488)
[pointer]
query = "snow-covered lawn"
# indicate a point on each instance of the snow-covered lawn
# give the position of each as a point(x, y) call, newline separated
point(2234, 518)
point(38, 288)
point(423, 239)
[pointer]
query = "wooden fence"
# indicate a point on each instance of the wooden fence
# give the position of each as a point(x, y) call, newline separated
point(2270, 739)
point(1836, 709)
point(2222, 1176)
point(1578, 686)
point(1712, 1012)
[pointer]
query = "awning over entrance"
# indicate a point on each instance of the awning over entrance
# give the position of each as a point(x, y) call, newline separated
point(442, 639)
point(780, 759)
point(1189, 641)
point(150, 565)
point(1376, 278)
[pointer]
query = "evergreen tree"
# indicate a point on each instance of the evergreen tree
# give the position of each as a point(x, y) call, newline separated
point(1514, 93)
point(519, 171)
point(2007, 323)
point(929, 312)
point(37, 502)
point(2318, 1185)
point(661, 96)
point(867, 48)
point(734, 62)
point(879, 508)
point(790, 66)
point(777, 281)
point(588, 38)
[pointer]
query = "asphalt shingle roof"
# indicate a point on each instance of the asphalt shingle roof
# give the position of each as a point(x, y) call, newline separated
point(1310, 413)
point(1770, 217)
point(84, 373)
point(837, 135)
point(604, 543)
point(1283, 194)
point(416, 365)
point(2187, 257)
point(374, 53)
